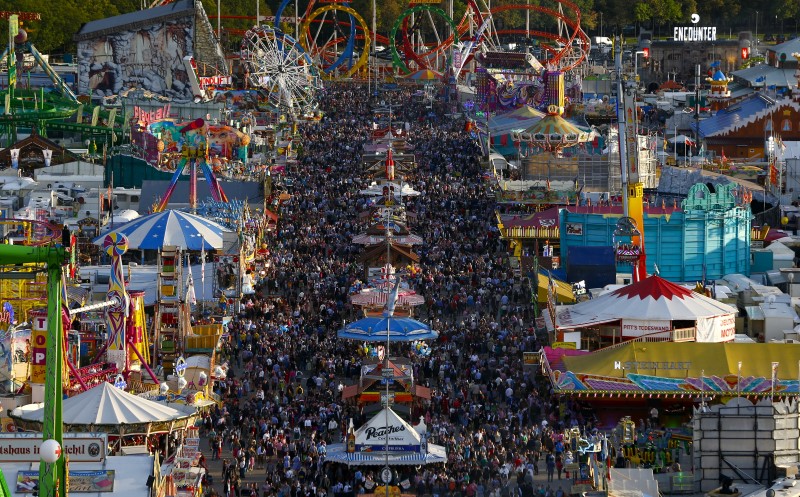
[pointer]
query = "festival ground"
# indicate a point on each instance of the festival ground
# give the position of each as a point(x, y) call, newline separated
point(258, 476)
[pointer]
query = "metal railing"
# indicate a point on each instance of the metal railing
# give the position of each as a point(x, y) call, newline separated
point(676, 335)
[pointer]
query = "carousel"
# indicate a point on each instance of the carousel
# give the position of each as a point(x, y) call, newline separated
point(129, 420)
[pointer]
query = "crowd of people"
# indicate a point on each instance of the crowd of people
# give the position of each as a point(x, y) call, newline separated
point(282, 400)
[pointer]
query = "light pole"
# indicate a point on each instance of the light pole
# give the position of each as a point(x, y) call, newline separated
point(755, 42)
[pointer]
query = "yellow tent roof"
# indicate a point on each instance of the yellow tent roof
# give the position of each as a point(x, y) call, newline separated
point(689, 359)
point(564, 293)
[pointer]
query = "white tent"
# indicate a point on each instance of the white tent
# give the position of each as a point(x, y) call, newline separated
point(406, 444)
point(650, 306)
point(106, 404)
point(402, 436)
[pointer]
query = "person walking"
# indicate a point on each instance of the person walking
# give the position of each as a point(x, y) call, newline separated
point(551, 466)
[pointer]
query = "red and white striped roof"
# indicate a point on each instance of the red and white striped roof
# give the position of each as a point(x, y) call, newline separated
point(653, 298)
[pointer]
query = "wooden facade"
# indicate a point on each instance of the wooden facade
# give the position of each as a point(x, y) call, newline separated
point(748, 141)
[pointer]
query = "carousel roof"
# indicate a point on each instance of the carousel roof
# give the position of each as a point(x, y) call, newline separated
point(106, 404)
point(653, 298)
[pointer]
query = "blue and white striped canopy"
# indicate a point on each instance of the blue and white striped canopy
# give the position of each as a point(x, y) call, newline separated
point(170, 228)
point(435, 454)
point(398, 329)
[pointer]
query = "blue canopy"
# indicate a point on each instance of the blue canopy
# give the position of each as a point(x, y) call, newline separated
point(398, 329)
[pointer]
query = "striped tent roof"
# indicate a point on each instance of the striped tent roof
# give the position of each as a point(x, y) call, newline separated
point(338, 453)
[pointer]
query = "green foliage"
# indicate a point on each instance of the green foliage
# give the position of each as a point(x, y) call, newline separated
point(61, 19)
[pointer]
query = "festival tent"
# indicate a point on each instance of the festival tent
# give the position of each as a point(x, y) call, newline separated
point(407, 445)
point(107, 405)
point(650, 306)
point(660, 368)
point(170, 228)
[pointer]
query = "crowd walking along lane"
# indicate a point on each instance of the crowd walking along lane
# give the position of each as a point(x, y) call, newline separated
point(282, 408)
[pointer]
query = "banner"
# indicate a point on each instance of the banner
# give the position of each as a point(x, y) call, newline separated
point(79, 481)
point(38, 346)
point(48, 157)
point(639, 327)
point(15, 158)
point(24, 447)
point(716, 329)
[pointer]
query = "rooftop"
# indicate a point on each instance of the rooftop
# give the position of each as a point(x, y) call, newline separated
point(132, 20)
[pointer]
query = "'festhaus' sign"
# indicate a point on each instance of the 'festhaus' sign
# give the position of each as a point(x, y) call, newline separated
point(24, 447)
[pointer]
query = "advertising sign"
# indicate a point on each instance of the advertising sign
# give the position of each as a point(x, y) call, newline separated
point(639, 327)
point(215, 80)
point(38, 346)
point(24, 447)
point(79, 481)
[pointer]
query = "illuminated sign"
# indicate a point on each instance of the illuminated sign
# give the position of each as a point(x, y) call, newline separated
point(215, 80)
point(695, 33)
point(146, 117)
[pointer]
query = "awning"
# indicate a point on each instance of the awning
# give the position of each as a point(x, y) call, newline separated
point(338, 453)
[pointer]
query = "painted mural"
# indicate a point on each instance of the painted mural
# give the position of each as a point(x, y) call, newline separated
point(149, 58)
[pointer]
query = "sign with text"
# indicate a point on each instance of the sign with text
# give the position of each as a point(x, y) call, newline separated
point(38, 346)
point(24, 447)
point(694, 33)
point(146, 117)
point(215, 80)
point(639, 327)
point(79, 481)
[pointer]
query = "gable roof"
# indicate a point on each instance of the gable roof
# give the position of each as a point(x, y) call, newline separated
point(37, 142)
point(787, 47)
point(773, 76)
point(738, 115)
point(136, 19)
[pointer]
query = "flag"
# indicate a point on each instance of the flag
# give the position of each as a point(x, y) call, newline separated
point(391, 301)
point(203, 266)
point(190, 295)
point(773, 173)
point(551, 299)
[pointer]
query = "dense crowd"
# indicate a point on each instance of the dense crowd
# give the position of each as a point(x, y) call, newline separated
point(282, 401)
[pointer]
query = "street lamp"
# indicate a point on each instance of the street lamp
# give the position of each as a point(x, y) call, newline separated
point(755, 42)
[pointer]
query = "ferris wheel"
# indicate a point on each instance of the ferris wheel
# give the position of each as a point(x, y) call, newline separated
point(276, 62)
